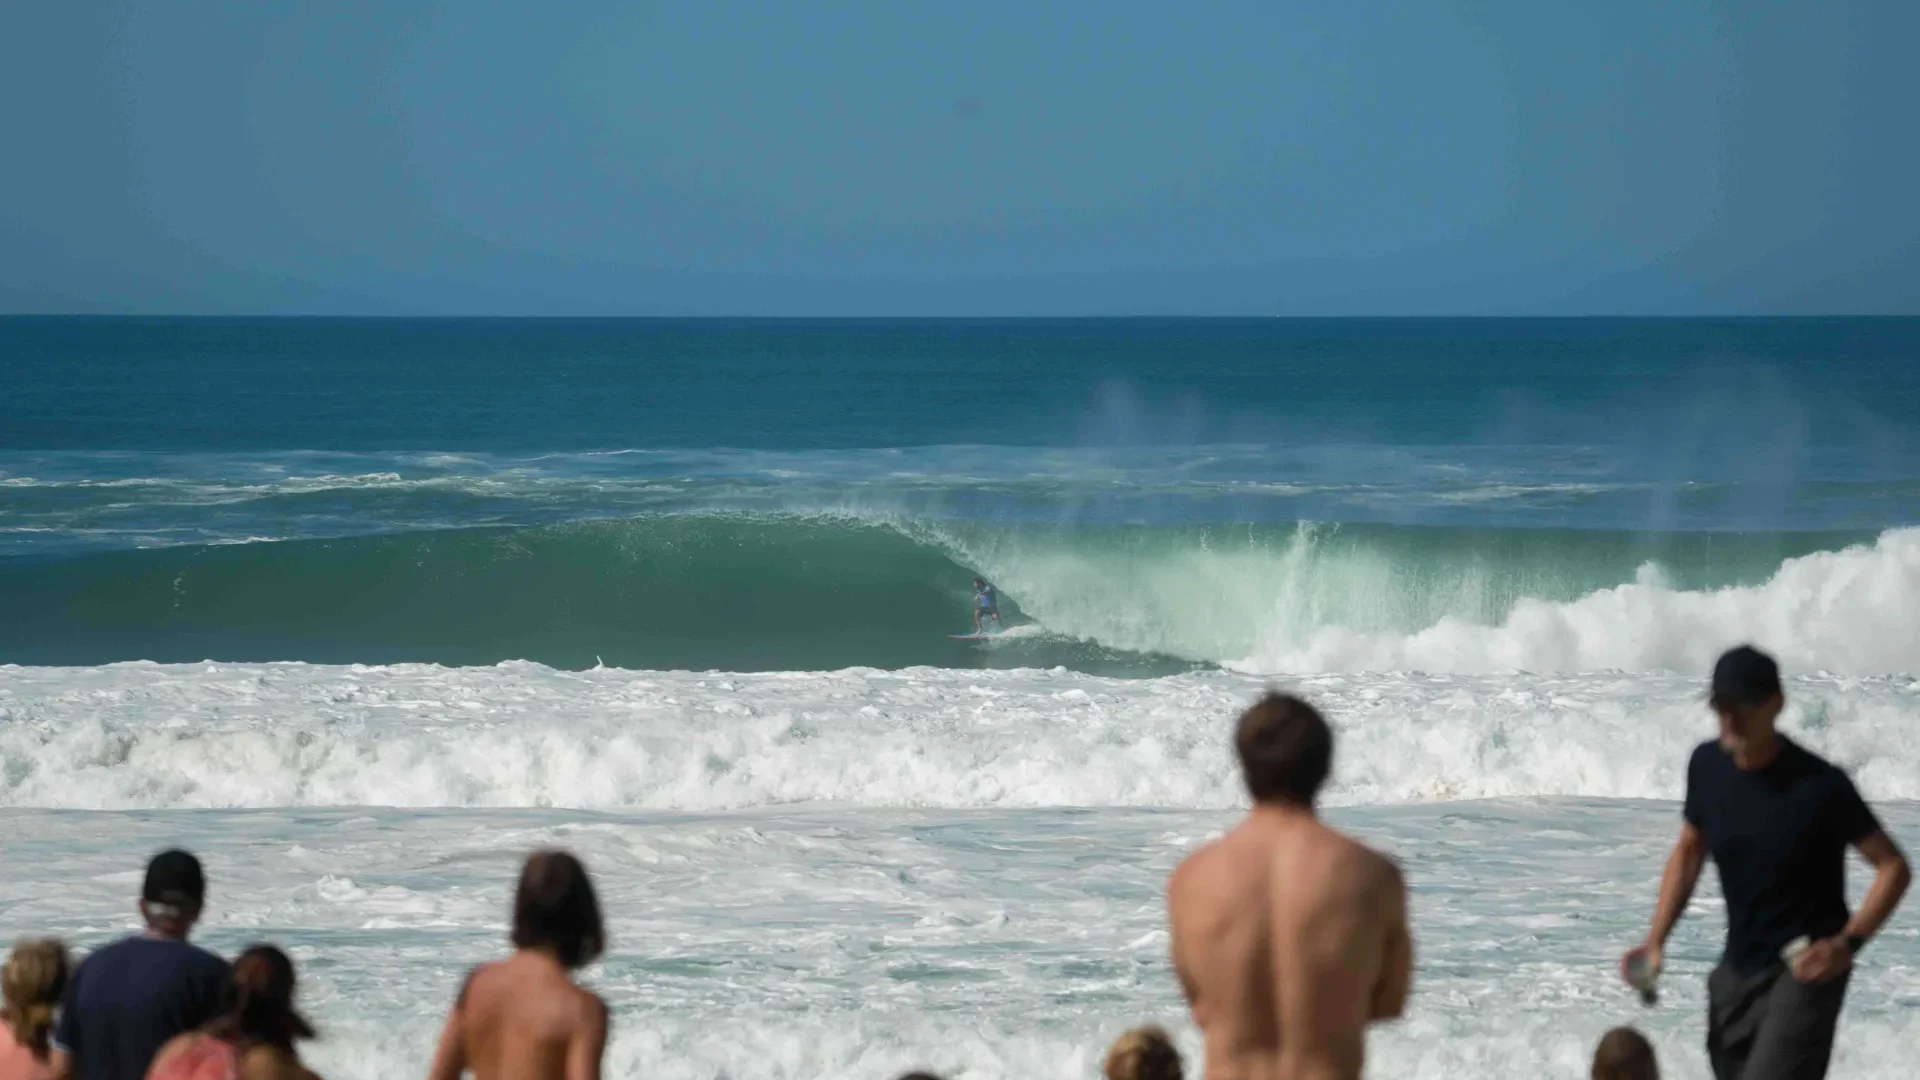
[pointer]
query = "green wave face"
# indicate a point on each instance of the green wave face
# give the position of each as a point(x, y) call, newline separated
point(756, 593)
point(1222, 593)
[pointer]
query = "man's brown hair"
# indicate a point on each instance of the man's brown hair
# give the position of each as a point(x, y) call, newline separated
point(1286, 750)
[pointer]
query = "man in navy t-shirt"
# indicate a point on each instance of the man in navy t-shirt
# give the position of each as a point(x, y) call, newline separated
point(1777, 821)
point(130, 997)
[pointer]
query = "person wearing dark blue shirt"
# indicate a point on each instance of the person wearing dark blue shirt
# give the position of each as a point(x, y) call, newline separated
point(129, 998)
point(986, 603)
point(1777, 821)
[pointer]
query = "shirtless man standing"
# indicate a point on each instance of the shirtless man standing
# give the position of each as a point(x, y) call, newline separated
point(523, 1018)
point(1289, 938)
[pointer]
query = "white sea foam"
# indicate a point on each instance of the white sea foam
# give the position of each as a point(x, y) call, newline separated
point(1855, 611)
point(836, 942)
point(145, 735)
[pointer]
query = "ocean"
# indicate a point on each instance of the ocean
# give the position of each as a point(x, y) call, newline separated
point(362, 610)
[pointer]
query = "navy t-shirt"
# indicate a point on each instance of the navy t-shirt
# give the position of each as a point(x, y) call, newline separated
point(129, 998)
point(1779, 836)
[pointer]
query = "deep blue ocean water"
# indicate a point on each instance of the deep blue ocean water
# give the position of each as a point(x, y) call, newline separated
point(1150, 495)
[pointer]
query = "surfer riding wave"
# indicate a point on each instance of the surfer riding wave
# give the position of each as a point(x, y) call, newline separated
point(985, 603)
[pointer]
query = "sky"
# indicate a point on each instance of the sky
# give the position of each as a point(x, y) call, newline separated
point(900, 157)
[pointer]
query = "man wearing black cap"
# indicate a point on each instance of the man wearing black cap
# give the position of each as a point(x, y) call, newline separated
point(1777, 821)
point(130, 997)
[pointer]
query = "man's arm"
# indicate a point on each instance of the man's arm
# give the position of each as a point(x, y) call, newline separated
point(1827, 959)
point(1175, 887)
point(1396, 964)
point(450, 1058)
point(1890, 880)
point(1676, 888)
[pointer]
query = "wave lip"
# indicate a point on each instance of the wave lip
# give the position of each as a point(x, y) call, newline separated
point(521, 735)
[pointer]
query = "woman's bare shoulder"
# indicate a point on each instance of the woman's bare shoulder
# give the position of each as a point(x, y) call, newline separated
point(477, 976)
point(586, 1011)
point(273, 1063)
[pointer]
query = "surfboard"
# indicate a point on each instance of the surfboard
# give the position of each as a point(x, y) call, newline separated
point(973, 637)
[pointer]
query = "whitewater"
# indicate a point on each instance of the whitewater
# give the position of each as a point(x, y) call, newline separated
point(362, 611)
point(165, 737)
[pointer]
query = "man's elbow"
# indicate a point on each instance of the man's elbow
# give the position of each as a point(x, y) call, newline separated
point(1390, 1001)
point(1899, 873)
point(1691, 848)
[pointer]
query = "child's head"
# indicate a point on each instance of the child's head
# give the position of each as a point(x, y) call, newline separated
point(1624, 1054)
point(36, 976)
point(1145, 1053)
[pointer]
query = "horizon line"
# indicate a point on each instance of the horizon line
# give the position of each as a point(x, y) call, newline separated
point(78, 316)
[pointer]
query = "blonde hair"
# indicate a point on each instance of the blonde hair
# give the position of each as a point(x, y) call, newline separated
point(1145, 1053)
point(32, 982)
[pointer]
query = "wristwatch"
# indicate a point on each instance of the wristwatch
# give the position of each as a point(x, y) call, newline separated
point(1855, 943)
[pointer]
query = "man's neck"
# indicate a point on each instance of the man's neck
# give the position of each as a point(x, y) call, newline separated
point(1759, 753)
point(1283, 812)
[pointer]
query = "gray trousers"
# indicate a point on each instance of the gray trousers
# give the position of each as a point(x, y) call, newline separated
point(1771, 1026)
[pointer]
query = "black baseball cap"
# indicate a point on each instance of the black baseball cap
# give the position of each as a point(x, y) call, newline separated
point(174, 878)
point(1744, 676)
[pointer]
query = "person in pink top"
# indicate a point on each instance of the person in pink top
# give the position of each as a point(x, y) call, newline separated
point(253, 1036)
point(34, 979)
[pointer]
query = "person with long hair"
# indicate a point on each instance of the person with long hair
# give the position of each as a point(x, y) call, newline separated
point(252, 1037)
point(35, 977)
point(524, 1018)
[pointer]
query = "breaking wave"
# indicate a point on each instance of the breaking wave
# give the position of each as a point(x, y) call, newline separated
point(788, 592)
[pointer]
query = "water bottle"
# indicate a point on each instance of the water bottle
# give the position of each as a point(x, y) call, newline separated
point(1642, 977)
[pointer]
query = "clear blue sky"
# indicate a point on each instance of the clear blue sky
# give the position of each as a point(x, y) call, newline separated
point(985, 157)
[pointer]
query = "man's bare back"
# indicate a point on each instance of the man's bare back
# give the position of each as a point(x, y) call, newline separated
point(523, 1019)
point(1223, 951)
point(1289, 938)
point(1343, 956)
